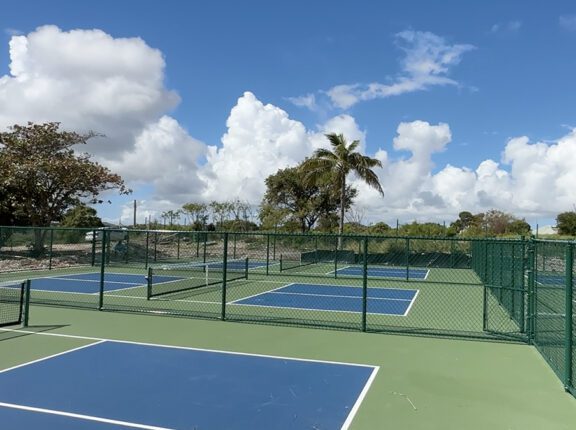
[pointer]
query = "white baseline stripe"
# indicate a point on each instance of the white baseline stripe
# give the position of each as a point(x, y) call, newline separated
point(337, 295)
point(82, 417)
point(99, 340)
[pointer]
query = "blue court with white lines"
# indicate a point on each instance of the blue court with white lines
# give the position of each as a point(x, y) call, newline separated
point(320, 297)
point(126, 385)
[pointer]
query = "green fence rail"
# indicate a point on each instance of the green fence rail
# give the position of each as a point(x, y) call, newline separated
point(516, 289)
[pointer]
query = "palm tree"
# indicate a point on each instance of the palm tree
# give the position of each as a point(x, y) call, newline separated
point(336, 164)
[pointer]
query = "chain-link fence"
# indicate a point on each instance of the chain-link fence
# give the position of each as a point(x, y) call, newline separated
point(517, 289)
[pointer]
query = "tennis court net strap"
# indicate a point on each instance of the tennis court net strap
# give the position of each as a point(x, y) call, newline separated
point(175, 278)
point(11, 302)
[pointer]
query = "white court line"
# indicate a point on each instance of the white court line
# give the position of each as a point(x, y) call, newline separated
point(318, 310)
point(97, 341)
point(339, 295)
point(264, 292)
point(159, 345)
point(82, 417)
point(360, 399)
point(411, 303)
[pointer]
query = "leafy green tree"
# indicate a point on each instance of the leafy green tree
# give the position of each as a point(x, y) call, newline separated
point(220, 212)
point(336, 164)
point(466, 221)
point(43, 176)
point(566, 223)
point(170, 216)
point(197, 213)
point(428, 229)
point(379, 228)
point(519, 227)
point(81, 216)
point(289, 201)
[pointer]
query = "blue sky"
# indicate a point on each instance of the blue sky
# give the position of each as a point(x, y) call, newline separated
point(480, 81)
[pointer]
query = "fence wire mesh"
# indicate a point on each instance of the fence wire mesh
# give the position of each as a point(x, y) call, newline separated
point(513, 289)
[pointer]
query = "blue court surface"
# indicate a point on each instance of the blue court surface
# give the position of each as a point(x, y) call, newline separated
point(117, 385)
point(383, 272)
point(383, 301)
point(89, 283)
point(553, 281)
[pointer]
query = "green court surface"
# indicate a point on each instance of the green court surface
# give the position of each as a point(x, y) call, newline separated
point(422, 383)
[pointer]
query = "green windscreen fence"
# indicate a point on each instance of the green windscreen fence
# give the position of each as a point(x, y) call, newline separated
point(552, 307)
point(514, 289)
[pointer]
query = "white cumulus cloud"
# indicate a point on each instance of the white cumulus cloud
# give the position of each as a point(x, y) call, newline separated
point(89, 80)
point(428, 60)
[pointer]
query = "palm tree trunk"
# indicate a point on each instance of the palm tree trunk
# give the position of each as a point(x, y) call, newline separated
point(341, 224)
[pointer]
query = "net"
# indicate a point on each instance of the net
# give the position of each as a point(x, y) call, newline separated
point(175, 278)
point(11, 302)
point(305, 258)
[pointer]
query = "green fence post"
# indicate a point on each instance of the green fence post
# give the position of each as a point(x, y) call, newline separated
point(204, 249)
point(50, 249)
point(234, 255)
point(408, 259)
point(225, 265)
point(336, 260)
point(531, 292)
point(365, 285)
point(155, 246)
point(568, 344)
point(267, 253)
point(102, 270)
point(485, 308)
point(147, 252)
point(177, 246)
point(93, 247)
point(522, 312)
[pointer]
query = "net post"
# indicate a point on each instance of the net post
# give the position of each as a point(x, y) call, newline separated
point(147, 252)
point(267, 254)
point(485, 308)
point(522, 285)
point(365, 285)
point(568, 342)
point(281, 258)
point(26, 310)
point(407, 259)
point(155, 246)
point(531, 290)
point(102, 270)
point(50, 248)
point(149, 283)
point(93, 260)
point(225, 264)
point(336, 259)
